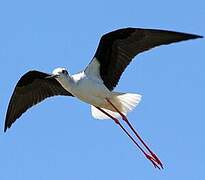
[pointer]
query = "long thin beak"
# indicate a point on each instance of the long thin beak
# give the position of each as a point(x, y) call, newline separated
point(52, 76)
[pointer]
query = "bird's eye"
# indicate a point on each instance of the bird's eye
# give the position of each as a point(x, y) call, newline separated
point(64, 71)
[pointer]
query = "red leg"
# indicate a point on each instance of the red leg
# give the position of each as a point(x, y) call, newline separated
point(156, 159)
point(153, 161)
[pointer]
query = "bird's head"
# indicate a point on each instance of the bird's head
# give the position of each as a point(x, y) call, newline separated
point(59, 73)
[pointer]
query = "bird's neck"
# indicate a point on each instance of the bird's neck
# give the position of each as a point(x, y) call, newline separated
point(67, 82)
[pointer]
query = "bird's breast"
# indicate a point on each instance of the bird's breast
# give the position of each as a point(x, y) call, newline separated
point(90, 91)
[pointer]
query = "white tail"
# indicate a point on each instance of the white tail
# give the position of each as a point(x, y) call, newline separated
point(125, 102)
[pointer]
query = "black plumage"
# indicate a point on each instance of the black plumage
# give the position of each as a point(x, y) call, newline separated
point(32, 88)
point(117, 49)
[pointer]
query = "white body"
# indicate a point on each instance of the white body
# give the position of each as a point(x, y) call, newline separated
point(88, 87)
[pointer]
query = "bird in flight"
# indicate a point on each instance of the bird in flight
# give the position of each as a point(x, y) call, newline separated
point(95, 84)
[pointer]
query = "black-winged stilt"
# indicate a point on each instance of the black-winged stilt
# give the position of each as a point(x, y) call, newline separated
point(95, 84)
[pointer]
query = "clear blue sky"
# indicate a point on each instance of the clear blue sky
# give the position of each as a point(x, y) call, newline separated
point(59, 139)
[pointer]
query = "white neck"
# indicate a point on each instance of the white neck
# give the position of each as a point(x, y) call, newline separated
point(67, 82)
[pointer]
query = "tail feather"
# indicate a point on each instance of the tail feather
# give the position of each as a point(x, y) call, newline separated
point(125, 102)
point(99, 115)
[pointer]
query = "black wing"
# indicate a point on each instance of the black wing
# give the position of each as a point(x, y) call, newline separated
point(116, 49)
point(32, 88)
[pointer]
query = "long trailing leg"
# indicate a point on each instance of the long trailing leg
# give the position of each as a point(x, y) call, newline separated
point(153, 161)
point(156, 159)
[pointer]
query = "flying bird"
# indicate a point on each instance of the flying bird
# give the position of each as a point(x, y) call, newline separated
point(95, 84)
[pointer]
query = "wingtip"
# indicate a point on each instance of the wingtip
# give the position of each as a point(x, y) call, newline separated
point(187, 36)
point(191, 36)
point(5, 128)
point(197, 36)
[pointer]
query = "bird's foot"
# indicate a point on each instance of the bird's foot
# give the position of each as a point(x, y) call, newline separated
point(154, 162)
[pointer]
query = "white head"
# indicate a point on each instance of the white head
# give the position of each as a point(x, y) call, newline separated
point(60, 73)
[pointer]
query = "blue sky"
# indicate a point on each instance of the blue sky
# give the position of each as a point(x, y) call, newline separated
point(59, 139)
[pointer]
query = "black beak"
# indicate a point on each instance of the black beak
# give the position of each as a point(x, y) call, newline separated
point(52, 76)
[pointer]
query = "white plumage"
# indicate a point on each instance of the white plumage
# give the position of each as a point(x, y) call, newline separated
point(125, 102)
point(89, 87)
point(96, 83)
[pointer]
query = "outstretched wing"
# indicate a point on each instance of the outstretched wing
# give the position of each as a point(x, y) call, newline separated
point(32, 88)
point(116, 49)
